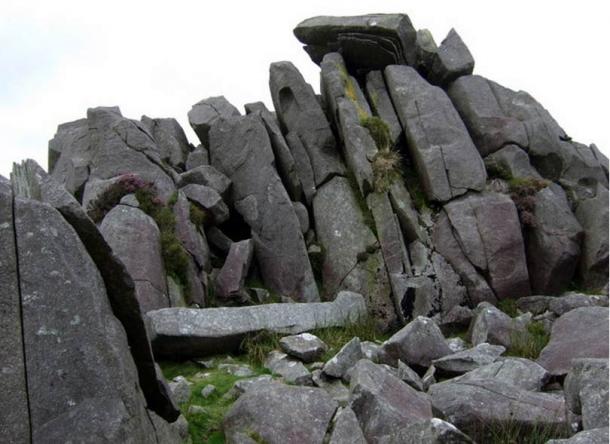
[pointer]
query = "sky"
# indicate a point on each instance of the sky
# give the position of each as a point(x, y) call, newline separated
point(60, 57)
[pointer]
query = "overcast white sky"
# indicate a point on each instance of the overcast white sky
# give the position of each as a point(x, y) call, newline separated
point(59, 57)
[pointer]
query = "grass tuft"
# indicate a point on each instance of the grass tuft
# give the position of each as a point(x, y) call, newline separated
point(513, 433)
point(257, 347)
point(509, 306)
point(529, 344)
point(337, 337)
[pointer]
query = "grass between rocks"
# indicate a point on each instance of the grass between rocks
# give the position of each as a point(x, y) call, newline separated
point(529, 344)
point(514, 433)
point(206, 427)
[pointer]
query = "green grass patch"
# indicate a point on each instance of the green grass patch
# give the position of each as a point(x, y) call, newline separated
point(513, 433)
point(529, 344)
point(509, 306)
point(256, 347)
point(337, 337)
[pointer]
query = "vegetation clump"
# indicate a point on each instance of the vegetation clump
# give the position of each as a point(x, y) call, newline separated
point(387, 162)
point(523, 193)
point(529, 343)
point(106, 201)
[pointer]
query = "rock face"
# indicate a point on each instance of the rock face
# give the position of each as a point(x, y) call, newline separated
point(580, 333)
point(482, 232)
point(299, 111)
point(262, 201)
point(193, 332)
point(475, 405)
point(367, 42)
point(445, 157)
point(266, 412)
point(63, 300)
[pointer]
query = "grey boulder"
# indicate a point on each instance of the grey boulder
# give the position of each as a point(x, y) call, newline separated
point(431, 431)
point(594, 436)
point(580, 333)
point(344, 360)
point(519, 372)
point(451, 60)
point(492, 325)
point(470, 359)
point(205, 113)
point(304, 346)
point(446, 159)
point(345, 428)
point(208, 176)
point(586, 391)
point(230, 280)
point(280, 414)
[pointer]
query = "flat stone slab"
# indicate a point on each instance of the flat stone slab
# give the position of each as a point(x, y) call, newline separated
point(187, 332)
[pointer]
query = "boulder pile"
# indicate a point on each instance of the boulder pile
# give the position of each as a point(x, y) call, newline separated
point(410, 193)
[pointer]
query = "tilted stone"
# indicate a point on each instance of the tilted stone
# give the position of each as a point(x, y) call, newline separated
point(183, 332)
point(70, 155)
point(425, 51)
point(433, 431)
point(344, 360)
point(261, 199)
point(304, 170)
point(519, 372)
point(208, 176)
point(580, 333)
point(452, 60)
point(299, 111)
point(170, 139)
point(208, 199)
point(445, 157)
point(470, 359)
point(230, 280)
point(510, 161)
point(304, 346)
point(381, 104)
point(370, 41)
point(346, 429)
point(489, 324)
point(489, 127)
point(198, 157)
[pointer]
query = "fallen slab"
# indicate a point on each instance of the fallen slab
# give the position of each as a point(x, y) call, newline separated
point(187, 332)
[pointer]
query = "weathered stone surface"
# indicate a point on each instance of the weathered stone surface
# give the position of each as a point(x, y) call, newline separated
point(122, 146)
point(595, 436)
point(205, 113)
point(431, 431)
point(135, 239)
point(193, 240)
point(196, 158)
point(408, 375)
point(299, 111)
point(359, 148)
point(69, 155)
point(345, 359)
point(243, 385)
point(230, 280)
point(270, 412)
point(403, 206)
point(492, 325)
point(381, 104)
point(181, 389)
point(468, 360)
point(367, 42)
point(208, 176)
point(304, 346)
point(551, 151)
point(170, 139)
point(14, 415)
point(593, 216)
point(473, 406)
point(345, 428)
point(451, 60)
point(456, 319)
point(351, 258)
point(303, 166)
point(64, 302)
point(262, 201)
point(195, 332)
point(580, 333)
point(569, 301)
point(31, 181)
point(447, 161)
point(586, 391)
point(418, 343)
point(284, 160)
point(383, 403)
point(425, 51)
point(291, 370)
point(552, 242)
point(519, 372)
point(303, 216)
point(489, 127)
point(510, 161)
point(457, 344)
point(486, 236)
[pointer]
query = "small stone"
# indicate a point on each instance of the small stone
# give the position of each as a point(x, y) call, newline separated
point(196, 410)
point(347, 357)
point(208, 390)
point(181, 389)
point(240, 371)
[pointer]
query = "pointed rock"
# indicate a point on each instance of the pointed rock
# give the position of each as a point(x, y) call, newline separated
point(205, 113)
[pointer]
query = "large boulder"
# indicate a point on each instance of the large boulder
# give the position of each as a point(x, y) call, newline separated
point(446, 159)
point(240, 149)
point(478, 405)
point(279, 414)
point(135, 239)
point(553, 241)
point(519, 372)
point(580, 333)
point(299, 111)
point(184, 332)
point(352, 259)
point(69, 331)
point(31, 181)
point(489, 127)
point(367, 42)
point(480, 236)
point(383, 403)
